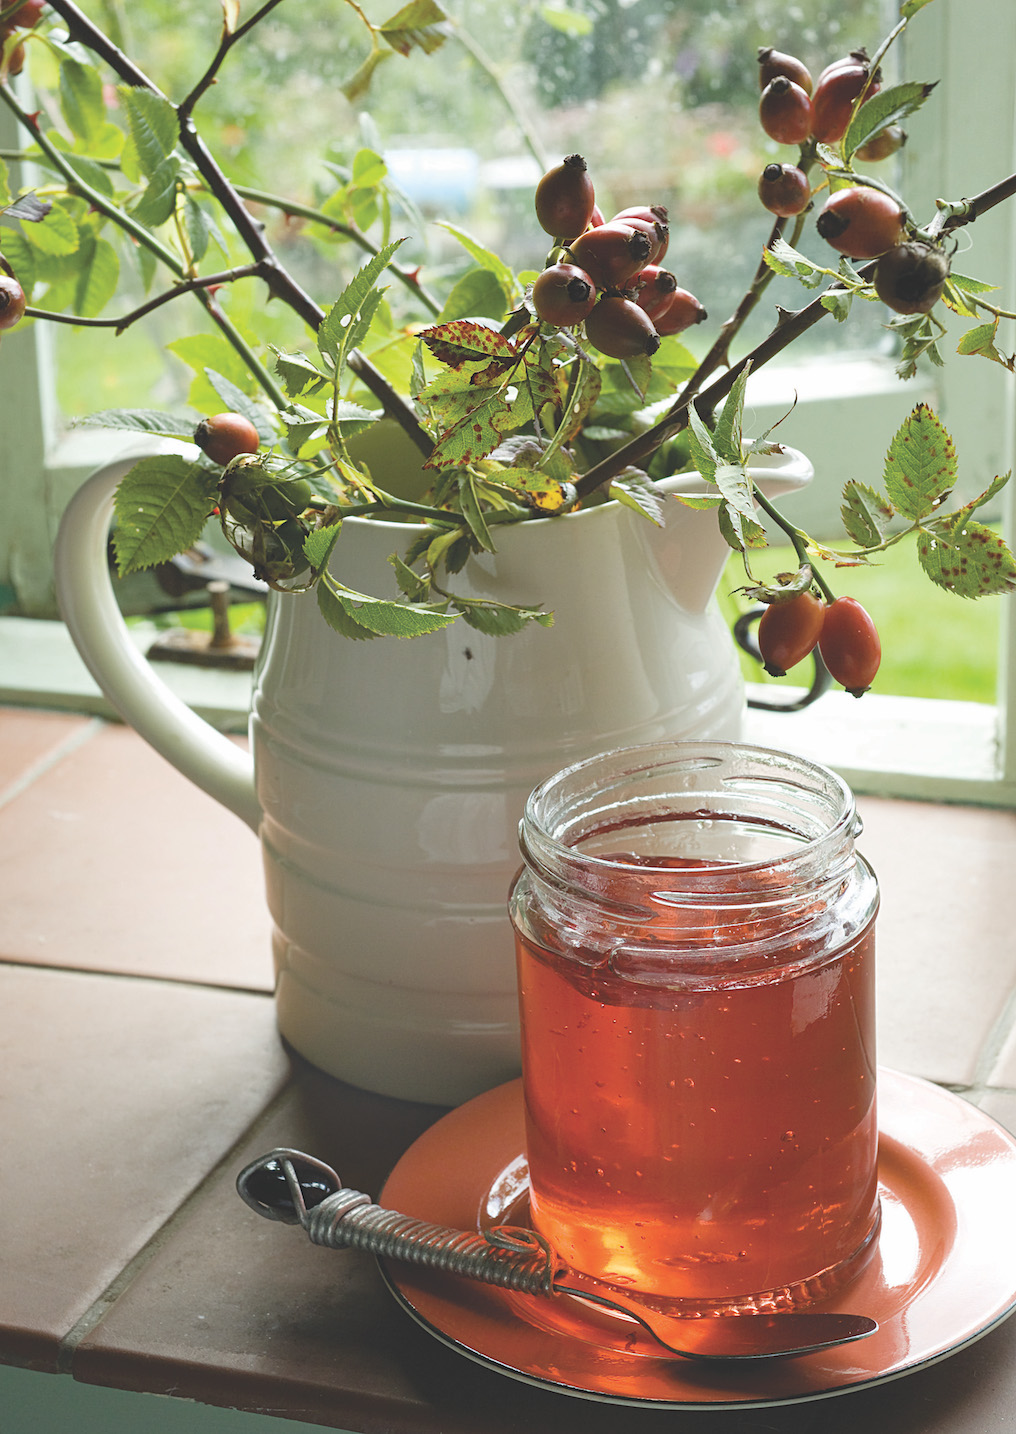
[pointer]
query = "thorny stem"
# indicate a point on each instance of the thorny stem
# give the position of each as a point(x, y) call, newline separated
point(348, 231)
point(280, 282)
point(229, 39)
point(952, 216)
point(206, 281)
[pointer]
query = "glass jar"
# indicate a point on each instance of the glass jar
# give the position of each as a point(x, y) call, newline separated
point(694, 932)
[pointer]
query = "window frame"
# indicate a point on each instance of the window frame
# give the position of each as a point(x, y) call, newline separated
point(960, 751)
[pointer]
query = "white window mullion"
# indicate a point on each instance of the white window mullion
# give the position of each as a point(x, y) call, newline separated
point(974, 108)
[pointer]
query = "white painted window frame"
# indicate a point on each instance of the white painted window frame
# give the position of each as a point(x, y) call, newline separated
point(846, 412)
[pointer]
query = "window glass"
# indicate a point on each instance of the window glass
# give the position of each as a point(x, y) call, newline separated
point(660, 96)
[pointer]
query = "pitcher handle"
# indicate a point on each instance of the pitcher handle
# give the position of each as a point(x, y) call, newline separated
point(89, 607)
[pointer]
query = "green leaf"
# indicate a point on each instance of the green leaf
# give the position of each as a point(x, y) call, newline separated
point(783, 259)
point(161, 508)
point(369, 169)
point(954, 297)
point(411, 584)
point(343, 411)
point(727, 436)
point(356, 87)
point(889, 106)
point(201, 227)
point(93, 174)
point(236, 401)
point(158, 202)
point(838, 304)
point(920, 466)
point(480, 429)
point(153, 127)
point(81, 101)
point(98, 276)
point(359, 327)
point(968, 559)
point(298, 373)
point(700, 504)
point(461, 342)
point(302, 427)
point(385, 618)
point(739, 532)
point(485, 257)
point(478, 294)
point(139, 420)
point(57, 234)
point(472, 513)
point(703, 454)
point(866, 514)
point(363, 206)
point(22, 259)
point(638, 371)
point(421, 24)
point(332, 337)
point(911, 7)
point(211, 351)
point(633, 489)
point(735, 485)
point(981, 340)
point(967, 285)
point(993, 489)
point(337, 618)
point(567, 22)
point(318, 545)
point(499, 619)
point(531, 486)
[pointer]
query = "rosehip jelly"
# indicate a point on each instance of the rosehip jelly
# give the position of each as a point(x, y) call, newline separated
point(696, 971)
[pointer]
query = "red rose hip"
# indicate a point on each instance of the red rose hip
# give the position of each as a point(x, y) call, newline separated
point(563, 295)
point(565, 198)
point(788, 631)
point(225, 436)
point(861, 222)
point(12, 302)
point(620, 329)
point(612, 254)
point(784, 190)
point(784, 111)
point(850, 645)
point(773, 62)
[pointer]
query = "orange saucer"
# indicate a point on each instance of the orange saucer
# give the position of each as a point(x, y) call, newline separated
point(944, 1273)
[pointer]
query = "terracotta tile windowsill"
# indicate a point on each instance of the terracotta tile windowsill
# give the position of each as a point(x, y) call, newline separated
point(142, 1069)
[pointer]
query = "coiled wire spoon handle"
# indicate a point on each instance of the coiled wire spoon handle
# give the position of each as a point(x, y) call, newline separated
point(295, 1188)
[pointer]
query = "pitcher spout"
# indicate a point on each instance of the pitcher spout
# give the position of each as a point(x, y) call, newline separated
point(688, 553)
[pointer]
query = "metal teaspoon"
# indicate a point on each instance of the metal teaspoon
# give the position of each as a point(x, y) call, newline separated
point(295, 1188)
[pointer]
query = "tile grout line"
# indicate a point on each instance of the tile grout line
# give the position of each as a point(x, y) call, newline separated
point(100, 1307)
point(995, 1041)
point(39, 768)
point(23, 964)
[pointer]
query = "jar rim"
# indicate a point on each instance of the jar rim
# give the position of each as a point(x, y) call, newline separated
point(751, 782)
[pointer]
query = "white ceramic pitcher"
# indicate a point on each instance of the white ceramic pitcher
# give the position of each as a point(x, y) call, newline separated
point(386, 778)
